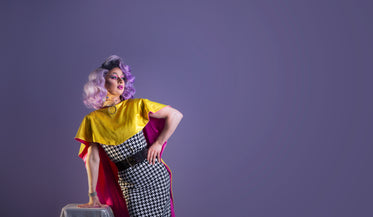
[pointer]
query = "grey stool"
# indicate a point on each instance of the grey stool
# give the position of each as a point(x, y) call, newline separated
point(72, 210)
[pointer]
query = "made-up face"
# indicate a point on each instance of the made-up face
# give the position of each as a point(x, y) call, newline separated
point(114, 82)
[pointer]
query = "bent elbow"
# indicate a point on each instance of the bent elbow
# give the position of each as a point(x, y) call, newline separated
point(178, 114)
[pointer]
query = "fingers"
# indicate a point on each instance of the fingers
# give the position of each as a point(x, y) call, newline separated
point(88, 205)
point(83, 205)
point(99, 205)
point(94, 202)
point(152, 156)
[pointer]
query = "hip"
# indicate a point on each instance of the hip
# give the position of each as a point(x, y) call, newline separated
point(145, 175)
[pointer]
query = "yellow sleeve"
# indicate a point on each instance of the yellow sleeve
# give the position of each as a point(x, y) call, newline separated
point(84, 134)
point(151, 106)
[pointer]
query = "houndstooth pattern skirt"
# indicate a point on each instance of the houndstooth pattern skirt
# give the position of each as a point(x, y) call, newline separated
point(145, 187)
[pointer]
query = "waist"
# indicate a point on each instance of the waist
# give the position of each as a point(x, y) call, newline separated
point(132, 160)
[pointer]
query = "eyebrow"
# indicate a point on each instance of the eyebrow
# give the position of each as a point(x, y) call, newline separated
point(116, 74)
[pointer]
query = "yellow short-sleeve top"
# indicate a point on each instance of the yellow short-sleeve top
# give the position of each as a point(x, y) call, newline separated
point(113, 126)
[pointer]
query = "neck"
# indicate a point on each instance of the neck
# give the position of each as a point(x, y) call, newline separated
point(112, 100)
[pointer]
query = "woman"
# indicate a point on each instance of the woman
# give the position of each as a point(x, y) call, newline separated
point(122, 145)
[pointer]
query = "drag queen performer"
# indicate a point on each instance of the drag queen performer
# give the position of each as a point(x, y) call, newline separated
point(122, 145)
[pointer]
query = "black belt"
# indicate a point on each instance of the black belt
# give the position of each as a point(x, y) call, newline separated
point(132, 160)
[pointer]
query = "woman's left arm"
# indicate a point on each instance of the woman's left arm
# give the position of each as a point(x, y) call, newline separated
point(172, 119)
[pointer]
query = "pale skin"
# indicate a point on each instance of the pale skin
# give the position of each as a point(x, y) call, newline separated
point(114, 84)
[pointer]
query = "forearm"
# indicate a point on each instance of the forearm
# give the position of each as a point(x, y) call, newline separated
point(171, 123)
point(92, 165)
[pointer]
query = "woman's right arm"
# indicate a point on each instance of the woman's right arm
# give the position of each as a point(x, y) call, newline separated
point(92, 165)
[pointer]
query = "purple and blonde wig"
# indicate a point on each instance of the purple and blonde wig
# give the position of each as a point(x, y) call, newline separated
point(94, 90)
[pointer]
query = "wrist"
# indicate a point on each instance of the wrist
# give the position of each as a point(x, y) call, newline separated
point(92, 194)
point(158, 143)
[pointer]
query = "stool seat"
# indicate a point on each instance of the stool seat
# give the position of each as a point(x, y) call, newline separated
point(72, 210)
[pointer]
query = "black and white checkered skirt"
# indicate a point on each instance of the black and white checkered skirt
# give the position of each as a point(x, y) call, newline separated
point(146, 187)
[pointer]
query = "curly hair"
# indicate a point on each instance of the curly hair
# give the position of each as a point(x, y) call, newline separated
point(94, 90)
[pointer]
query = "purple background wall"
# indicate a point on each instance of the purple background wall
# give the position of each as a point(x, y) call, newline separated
point(276, 97)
